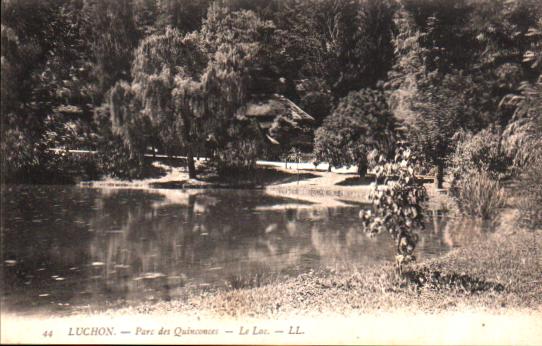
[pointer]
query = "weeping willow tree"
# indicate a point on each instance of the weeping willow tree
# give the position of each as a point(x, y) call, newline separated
point(147, 111)
point(224, 86)
point(126, 120)
point(188, 91)
point(212, 106)
point(233, 42)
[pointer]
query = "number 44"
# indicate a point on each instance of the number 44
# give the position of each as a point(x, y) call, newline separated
point(48, 333)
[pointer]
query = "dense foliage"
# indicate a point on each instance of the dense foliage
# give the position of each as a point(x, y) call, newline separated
point(479, 195)
point(129, 77)
point(360, 124)
point(457, 61)
point(477, 166)
point(479, 152)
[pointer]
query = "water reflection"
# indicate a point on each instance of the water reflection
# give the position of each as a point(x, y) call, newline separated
point(69, 248)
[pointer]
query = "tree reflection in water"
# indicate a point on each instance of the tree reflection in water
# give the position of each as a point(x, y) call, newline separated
point(120, 245)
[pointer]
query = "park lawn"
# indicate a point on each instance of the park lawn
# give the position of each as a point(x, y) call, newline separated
point(266, 173)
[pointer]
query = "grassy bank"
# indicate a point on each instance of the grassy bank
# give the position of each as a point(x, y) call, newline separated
point(266, 174)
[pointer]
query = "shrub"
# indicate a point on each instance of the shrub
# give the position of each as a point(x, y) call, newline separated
point(27, 158)
point(478, 195)
point(478, 164)
point(237, 156)
point(114, 159)
point(239, 150)
point(361, 123)
point(21, 156)
point(113, 156)
point(397, 204)
point(67, 168)
point(479, 152)
point(62, 132)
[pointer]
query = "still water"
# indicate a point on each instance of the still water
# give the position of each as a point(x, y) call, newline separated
point(71, 248)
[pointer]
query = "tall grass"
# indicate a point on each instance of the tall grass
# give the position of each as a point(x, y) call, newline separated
point(480, 196)
point(254, 277)
point(530, 196)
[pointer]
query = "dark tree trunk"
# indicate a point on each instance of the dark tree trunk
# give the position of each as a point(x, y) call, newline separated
point(190, 164)
point(329, 167)
point(362, 168)
point(439, 179)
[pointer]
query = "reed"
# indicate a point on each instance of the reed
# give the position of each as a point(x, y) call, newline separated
point(479, 195)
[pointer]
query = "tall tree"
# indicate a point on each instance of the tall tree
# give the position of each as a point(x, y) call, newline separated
point(347, 43)
point(189, 90)
point(233, 41)
point(455, 61)
point(166, 69)
point(185, 16)
point(110, 28)
point(441, 111)
point(447, 36)
point(329, 48)
point(43, 68)
point(360, 124)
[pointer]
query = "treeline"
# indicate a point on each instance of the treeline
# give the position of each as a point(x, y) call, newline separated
point(121, 76)
point(458, 80)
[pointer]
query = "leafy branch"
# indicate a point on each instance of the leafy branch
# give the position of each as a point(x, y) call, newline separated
point(397, 204)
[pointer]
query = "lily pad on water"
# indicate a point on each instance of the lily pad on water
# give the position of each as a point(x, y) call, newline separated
point(150, 276)
point(122, 266)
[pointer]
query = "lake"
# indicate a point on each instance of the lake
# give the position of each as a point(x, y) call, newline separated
point(69, 249)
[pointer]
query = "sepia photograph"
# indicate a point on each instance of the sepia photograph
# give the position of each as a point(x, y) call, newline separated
point(285, 172)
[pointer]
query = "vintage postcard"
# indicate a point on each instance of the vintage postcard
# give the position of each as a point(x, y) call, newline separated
point(271, 172)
